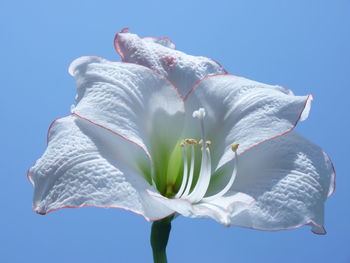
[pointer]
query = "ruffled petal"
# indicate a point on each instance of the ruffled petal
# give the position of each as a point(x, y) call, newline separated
point(290, 178)
point(220, 209)
point(86, 165)
point(242, 111)
point(129, 99)
point(134, 102)
point(158, 54)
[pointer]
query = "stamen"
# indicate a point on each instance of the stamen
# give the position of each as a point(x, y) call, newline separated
point(234, 148)
point(208, 143)
point(185, 174)
point(191, 141)
point(190, 178)
point(188, 141)
point(203, 179)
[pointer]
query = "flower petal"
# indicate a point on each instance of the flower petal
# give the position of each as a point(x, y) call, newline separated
point(220, 209)
point(290, 178)
point(243, 111)
point(134, 102)
point(86, 165)
point(158, 54)
point(129, 99)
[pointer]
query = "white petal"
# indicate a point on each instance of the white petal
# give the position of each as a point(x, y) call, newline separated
point(220, 209)
point(164, 41)
point(129, 99)
point(290, 178)
point(86, 165)
point(243, 111)
point(159, 54)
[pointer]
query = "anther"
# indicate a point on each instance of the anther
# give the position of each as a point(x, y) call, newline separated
point(234, 147)
point(208, 143)
point(188, 142)
point(191, 141)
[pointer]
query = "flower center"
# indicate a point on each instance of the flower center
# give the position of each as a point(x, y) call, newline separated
point(201, 187)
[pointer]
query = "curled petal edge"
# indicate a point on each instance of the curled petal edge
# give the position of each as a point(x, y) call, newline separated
point(126, 29)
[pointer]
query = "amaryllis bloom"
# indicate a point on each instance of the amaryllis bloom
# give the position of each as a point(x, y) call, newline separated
point(164, 133)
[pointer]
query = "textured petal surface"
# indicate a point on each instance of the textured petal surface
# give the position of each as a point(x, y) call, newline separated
point(242, 111)
point(86, 165)
point(159, 54)
point(290, 178)
point(129, 99)
point(220, 209)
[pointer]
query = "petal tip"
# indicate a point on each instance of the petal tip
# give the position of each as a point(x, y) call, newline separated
point(318, 229)
point(83, 60)
point(29, 177)
point(37, 210)
point(305, 113)
point(116, 42)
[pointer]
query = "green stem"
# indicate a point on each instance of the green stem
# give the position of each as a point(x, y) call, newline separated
point(159, 239)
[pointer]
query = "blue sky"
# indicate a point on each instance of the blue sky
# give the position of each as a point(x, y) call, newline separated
point(302, 45)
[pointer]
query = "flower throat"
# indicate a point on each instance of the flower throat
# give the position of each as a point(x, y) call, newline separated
point(190, 189)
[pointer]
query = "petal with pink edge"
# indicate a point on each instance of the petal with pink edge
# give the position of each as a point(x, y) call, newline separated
point(86, 165)
point(242, 111)
point(290, 178)
point(159, 54)
point(133, 102)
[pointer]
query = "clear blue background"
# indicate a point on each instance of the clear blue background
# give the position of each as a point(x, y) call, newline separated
point(301, 44)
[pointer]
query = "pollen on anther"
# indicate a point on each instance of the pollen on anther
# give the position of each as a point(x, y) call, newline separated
point(188, 141)
point(208, 143)
point(191, 141)
point(234, 147)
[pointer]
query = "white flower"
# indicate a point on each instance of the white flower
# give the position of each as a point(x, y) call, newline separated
point(133, 142)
